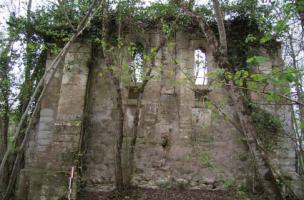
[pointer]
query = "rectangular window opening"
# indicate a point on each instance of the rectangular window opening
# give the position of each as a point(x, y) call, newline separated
point(200, 67)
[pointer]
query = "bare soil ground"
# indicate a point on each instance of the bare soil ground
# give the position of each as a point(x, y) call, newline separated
point(154, 194)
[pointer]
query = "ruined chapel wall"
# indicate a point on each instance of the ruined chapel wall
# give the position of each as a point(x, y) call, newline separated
point(180, 143)
point(203, 147)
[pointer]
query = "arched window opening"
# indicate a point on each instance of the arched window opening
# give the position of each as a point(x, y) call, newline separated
point(200, 67)
point(136, 67)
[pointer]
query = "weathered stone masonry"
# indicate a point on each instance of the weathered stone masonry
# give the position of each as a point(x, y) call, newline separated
point(54, 143)
point(202, 148)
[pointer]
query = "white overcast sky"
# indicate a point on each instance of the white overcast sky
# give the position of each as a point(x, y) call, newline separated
point(17, 6)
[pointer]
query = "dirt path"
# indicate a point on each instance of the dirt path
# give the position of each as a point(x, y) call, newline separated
point(153, 194)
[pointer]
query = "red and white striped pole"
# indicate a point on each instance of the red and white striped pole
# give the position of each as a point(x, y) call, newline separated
point(71, 176)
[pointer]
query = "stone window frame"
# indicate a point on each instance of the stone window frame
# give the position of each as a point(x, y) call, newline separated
point(200, 91)
point(203, 70)
point(137, 59)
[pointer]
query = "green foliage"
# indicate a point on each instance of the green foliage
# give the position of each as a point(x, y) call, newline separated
point(217, 73)
point(259, 82)
point(240, 76)
point(206, 160)
point(250, 38)
point(5, 79)
point(243, 34)
point(254, 60)
point(164, 14)
point(51, 25)
point(268, 126)
point(266, 38)
point(158, 11)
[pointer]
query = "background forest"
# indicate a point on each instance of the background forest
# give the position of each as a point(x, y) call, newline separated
point(31, 30)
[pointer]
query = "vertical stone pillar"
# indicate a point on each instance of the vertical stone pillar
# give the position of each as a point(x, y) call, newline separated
point(59, 130)
point(41, 137)
point(71, 105)
point(167, 123)
point(185, 56)
point(151, 96)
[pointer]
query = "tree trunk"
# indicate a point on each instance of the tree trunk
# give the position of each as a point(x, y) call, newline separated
point(4, 177)
point(119, 178)
point(118, 154)
point(4, 130)
point(136, 121)
point(221, 28)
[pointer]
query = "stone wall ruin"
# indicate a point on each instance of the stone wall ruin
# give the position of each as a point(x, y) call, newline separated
point(183, 140)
